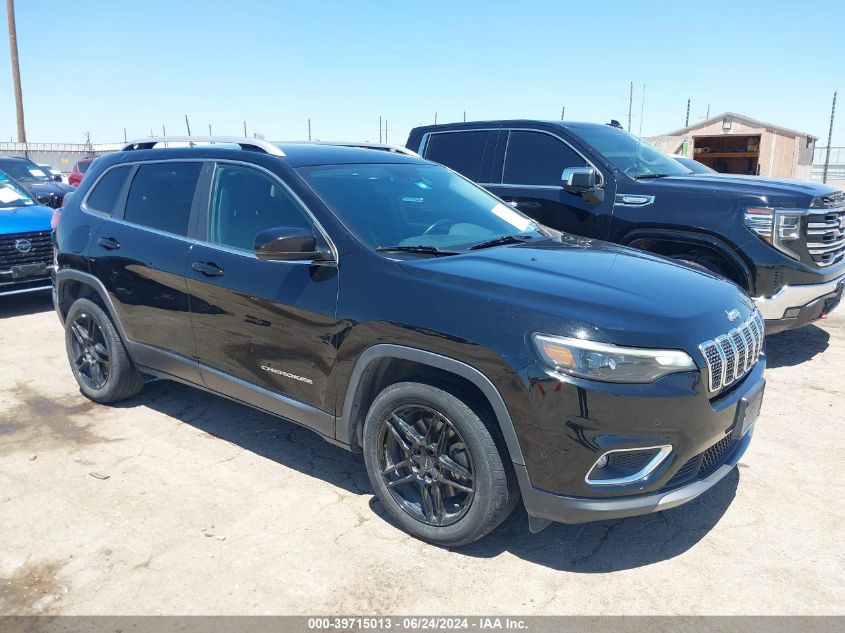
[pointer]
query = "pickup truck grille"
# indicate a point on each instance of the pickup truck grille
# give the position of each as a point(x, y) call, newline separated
point(732, 355)
point(826, 236)
point(40, 249)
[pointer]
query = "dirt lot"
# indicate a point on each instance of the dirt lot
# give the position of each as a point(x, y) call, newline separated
point(211, 507)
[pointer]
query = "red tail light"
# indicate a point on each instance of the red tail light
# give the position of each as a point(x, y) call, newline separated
point(57, 215)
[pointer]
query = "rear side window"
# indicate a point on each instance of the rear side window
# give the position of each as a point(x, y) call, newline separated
point(534, 158)
point(161, 195)
point(103, 197)
point(462, 151)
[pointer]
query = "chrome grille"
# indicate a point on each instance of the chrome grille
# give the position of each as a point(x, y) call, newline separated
point(730, 356)
point(826, 236)
point(41, 249)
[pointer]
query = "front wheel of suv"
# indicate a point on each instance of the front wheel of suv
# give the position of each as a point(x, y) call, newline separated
point(99, 360)
point(434, 464)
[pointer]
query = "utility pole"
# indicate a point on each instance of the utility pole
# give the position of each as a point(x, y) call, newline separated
point(435, 118)
point(562, 112)
point(465, 116)
point(829, 138)
point(687, 121)
point(630, 104)
point(16, 70)
point(209, 130)
point(707, 116)
point(163, 130)
point(379, 128)
point(245, 134)
point(187, 125)
point(124, 135)
point(385, 130)
point(309, 129)
point(642, 112)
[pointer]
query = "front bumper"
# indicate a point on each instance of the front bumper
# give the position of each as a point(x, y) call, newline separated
point(544, 507)
point(793, 306)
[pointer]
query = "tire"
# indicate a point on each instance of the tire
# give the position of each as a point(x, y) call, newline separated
point(460, 517)
point(700, 263)
point(91, 336)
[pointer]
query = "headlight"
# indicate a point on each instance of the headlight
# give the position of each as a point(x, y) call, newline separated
point(778, 227)
point(610, 363)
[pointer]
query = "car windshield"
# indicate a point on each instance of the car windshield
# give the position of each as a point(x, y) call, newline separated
point(630, 154)
point(416, 207)
point(12, 194)
point(23, 171)
point(83, 165)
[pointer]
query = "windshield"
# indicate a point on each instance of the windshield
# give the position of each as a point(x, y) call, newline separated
point(23, 171)
point(11, 194)
point(630, 154)
point(83, 165)
point(410, 205)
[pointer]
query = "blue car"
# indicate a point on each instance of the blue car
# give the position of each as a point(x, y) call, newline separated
point(26, 242)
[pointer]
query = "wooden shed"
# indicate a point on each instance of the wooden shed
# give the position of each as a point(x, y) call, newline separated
point(733, 143)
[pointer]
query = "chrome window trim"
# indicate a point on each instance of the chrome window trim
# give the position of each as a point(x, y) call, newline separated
point(293, 194)
point(663, 451)
point(183, 238)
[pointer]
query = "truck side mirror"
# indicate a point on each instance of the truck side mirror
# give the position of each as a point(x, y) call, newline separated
point(578, 179)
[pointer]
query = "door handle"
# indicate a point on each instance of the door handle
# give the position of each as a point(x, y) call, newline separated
point(208, 269)
point(108, 243)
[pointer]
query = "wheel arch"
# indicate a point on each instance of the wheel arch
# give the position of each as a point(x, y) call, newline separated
point(665, 242)
point(384, 364)
point(75, 284)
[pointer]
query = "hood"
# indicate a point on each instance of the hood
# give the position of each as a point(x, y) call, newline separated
point(593, 289)
point(49, 188)
point(25, 219)
point(777, 191)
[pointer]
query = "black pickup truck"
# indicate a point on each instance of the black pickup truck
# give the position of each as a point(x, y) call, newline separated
point(782, 241)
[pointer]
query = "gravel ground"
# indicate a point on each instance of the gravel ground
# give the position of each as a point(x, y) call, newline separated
point(179, 502)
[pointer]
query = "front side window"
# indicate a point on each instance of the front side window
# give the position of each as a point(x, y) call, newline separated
point(414, 204)
point(12, 194)
point(534, 158)
point(246, 201)
point(461, 151)
point(161, 196)
point(103, 197)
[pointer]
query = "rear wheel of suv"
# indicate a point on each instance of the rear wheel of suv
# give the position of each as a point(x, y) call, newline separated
point(99, 361)
point(435, 465)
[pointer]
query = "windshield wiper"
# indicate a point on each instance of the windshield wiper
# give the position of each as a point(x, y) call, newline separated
point(644, 176)
point(419, 248)
point(504, 239)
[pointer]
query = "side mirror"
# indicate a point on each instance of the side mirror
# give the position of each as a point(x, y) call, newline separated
point(57, 178)
point(288, 244)
point(579, 179)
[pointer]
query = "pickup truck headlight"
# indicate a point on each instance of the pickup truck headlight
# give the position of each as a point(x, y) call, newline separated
point(610, 363)
point(778, 227)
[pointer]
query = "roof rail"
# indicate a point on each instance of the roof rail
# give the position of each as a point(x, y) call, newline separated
point(395, 149)
point(252, 144)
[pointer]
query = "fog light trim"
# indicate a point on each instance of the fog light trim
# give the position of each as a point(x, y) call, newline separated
point(663, 451)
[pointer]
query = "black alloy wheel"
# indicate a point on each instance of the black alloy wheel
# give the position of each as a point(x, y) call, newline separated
point(426, 465)
point(90, 351)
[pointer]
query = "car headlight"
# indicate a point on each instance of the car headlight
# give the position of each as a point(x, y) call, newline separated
point(778, 227)
point(609, 363)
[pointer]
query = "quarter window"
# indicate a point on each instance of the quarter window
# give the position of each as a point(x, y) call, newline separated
point(534, 158)
point(161, 195)
point(462, 151)
point(103, 197)
point(246, 201)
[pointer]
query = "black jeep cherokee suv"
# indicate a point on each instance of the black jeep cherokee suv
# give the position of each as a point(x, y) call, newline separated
point(782, 241)
point(398, 309)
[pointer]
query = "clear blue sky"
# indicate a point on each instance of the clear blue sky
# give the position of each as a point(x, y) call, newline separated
point(102, 65)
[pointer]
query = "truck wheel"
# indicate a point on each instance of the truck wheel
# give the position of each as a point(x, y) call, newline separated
point(99, 361)
point(434, 464)
point(701, 263)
